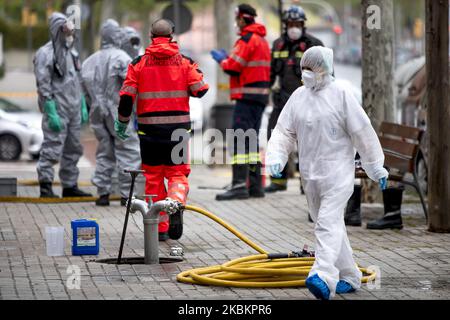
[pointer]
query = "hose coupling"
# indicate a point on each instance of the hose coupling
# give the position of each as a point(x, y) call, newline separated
point(305, 253)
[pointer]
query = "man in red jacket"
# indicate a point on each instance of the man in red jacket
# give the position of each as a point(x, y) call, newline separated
point(162, 80)
point(249, 70)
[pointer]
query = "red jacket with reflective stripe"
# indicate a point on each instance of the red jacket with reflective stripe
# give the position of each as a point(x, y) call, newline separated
point(163, 80)
point(249, 65)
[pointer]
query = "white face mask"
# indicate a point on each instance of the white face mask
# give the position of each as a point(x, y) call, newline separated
point(69, 41)
point(237, 30)
point(309, 79)
point(294, 33)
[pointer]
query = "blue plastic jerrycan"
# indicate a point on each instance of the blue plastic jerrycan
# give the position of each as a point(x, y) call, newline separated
point(86, 238)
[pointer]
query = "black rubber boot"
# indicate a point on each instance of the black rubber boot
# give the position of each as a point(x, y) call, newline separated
point(392, 219)
point(275, 187)
point(163, 236)
point(103, 201)
point(239, 190)
point(353, 211)
point(74, 192)
point(47, 190)
point(176, 225)
point(256, 189)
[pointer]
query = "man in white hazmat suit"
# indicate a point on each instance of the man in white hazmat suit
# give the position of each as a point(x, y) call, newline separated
point(327, 123)
point(57, 70)
point(103, 75)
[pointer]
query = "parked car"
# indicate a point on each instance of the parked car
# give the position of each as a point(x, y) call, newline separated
point(20, 132)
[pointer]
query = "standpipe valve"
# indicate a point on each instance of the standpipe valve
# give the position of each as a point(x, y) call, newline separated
point(151, 213)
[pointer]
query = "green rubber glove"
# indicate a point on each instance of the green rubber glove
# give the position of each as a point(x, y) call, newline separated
point(54, 122)
point(84, 111)
point(121, 129)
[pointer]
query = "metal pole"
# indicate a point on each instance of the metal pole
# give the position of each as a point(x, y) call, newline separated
point(176, 15)
point(133, 174)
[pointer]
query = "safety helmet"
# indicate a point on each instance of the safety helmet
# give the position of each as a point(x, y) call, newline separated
point(294, 13)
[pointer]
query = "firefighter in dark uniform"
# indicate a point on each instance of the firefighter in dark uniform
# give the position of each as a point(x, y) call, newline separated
point(286, 74)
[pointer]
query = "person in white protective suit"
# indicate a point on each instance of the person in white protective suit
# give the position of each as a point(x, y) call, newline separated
point(327, 123)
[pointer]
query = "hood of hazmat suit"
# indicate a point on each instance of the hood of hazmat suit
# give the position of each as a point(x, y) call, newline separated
point(132, 42)
point(57, 70)
point(103, 75)
point(327, 124)
point(111, 34)
point(104, 71)
point(320, 61)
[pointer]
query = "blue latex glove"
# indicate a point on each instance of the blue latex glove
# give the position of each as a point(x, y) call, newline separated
point(383, 183)
point(275, 170)
point(219, 55)
point(54, 122)
point(121, 128)
point(84, 111)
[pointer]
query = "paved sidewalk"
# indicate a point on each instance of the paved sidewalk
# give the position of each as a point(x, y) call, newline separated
point(414, 263)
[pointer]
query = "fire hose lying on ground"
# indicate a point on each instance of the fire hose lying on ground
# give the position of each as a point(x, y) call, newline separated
point(264, 270)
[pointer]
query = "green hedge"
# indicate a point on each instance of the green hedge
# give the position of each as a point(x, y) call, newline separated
point(15, 35)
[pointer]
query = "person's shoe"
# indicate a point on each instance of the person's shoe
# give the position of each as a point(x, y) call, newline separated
point(344, 287)
point(274, 187)
point(103, 201)
point(256, 194)
point(75, 192)
point(353, 211)
point(123, 202)
point(47, 190)
point(163, 236)
point(236, 193)
point(239, 190)
point(318, 287)
point(176, 225)
point(392, 219)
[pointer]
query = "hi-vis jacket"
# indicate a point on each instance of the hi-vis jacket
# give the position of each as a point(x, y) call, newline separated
point(162, 80)
point(249, 66)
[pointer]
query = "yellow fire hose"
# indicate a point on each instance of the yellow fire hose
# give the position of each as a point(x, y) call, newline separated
point(263, 270)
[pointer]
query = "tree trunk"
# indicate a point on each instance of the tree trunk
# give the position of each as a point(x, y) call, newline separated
point(108, 10)
point(438, 115)
point(224, 33)
point(377, 70)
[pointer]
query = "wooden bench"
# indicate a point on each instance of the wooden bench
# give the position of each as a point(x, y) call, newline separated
point(401, 147)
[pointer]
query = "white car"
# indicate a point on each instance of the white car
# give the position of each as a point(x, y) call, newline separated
point(20, 132)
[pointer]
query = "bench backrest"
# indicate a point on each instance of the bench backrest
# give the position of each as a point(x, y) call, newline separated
point(400, 145)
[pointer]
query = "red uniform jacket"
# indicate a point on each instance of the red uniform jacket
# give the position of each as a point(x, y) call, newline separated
point(163, 80)
point(249, 65)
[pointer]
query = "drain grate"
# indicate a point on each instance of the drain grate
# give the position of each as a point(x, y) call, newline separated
point(139, 260)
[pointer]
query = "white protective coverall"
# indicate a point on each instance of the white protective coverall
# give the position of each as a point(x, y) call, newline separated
point(57, 71)
point(328, 124)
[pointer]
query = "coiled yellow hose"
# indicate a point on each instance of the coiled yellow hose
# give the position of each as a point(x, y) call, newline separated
point(258, 271)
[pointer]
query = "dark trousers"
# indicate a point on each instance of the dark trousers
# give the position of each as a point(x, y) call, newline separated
point(247, 116)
